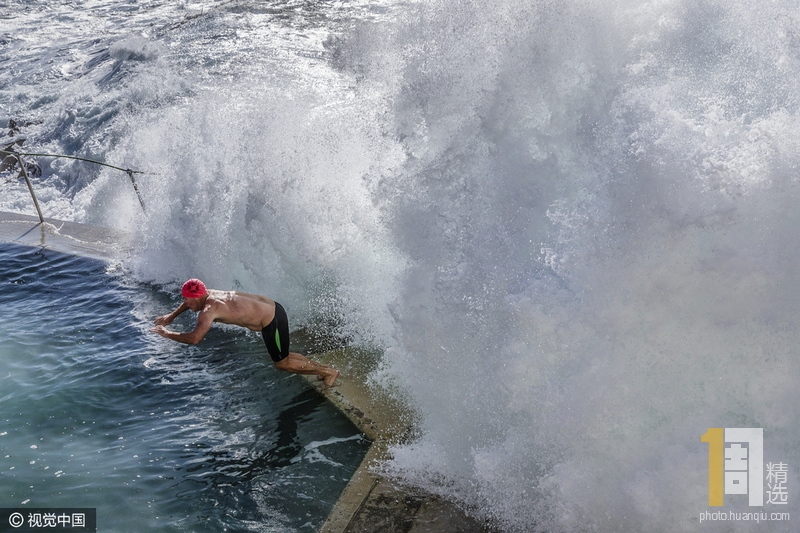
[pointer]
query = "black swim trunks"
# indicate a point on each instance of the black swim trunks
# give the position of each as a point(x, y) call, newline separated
point(276, 334)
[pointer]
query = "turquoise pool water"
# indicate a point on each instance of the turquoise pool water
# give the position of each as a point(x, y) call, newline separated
point(95, 411)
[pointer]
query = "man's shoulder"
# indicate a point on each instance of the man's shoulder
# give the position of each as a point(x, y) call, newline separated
point(212, 305)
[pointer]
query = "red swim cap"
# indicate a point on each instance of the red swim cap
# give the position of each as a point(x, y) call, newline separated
point(194, 288)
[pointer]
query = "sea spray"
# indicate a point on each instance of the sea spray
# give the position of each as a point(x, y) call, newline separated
point(270, 196)
point(598, 206)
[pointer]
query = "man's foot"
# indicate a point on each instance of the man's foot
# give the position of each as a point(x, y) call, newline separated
point(331, 377)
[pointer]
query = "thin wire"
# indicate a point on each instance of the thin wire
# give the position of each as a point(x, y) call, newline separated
point(128, 171)
point(84, 159)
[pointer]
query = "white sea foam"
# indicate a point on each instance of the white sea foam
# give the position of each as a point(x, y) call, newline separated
point(601, 256)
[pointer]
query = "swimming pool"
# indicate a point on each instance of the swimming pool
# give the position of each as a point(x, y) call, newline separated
point(95, 411)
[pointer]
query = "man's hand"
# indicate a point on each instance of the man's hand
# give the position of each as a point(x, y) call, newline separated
point(164, 320)
point(161, 330)
point(204, 321)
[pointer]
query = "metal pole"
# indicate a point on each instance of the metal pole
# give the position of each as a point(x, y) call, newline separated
point(30, 188)
point(136, 188)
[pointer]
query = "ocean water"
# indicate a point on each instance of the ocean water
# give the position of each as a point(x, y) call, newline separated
point(570, 227)
point(95, 412)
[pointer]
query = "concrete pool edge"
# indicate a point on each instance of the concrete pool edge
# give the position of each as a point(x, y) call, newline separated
point(370, 502)
point(65, 237)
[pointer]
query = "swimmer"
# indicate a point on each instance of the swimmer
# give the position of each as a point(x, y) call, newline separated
point(251, 311)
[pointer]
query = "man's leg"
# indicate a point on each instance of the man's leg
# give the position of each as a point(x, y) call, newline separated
point(299, 364)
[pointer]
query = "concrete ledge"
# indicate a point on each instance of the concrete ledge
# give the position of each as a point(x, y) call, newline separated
point(61, 236)
point(380, 418)
point(371, 503)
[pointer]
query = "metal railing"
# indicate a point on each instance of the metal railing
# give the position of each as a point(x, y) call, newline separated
point(24, 173)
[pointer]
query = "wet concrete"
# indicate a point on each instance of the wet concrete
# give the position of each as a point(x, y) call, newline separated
point(65, 237)
point(372, 502)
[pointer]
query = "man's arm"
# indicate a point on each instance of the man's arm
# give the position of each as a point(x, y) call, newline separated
point(204, 321)
point(166, 320)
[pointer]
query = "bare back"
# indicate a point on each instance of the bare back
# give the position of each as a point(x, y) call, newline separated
point(240, 309)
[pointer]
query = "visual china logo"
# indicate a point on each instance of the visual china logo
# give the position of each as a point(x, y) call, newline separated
point(54, 519)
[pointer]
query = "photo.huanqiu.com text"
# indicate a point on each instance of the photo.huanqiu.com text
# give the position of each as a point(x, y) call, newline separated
point(734, 516)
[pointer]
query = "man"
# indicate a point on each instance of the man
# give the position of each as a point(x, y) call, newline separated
point(249, 311)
